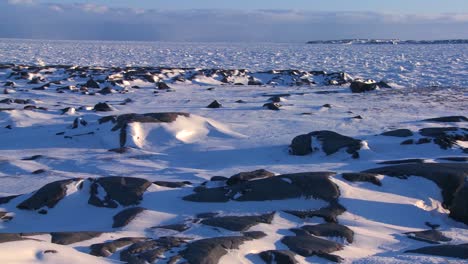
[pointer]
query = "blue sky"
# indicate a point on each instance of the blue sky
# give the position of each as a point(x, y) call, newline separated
point(405, 6)
point(240, 20)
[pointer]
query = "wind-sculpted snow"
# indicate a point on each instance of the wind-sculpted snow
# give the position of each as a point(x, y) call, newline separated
point(191, 165)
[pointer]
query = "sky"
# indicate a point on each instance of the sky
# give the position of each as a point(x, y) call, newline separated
point(236, 20)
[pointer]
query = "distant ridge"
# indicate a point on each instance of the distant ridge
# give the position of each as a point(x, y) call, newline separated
point(388, 41)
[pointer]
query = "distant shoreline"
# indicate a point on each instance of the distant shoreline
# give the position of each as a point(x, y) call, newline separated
point(388, 41)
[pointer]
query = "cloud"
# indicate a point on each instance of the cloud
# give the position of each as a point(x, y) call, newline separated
point(27, 19)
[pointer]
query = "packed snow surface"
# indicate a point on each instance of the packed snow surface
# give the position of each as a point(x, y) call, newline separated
point(68, 134)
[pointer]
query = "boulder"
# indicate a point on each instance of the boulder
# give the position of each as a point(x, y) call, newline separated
point(398, 133)
point(108, 248)
point(67, 238)
point(238, 223)
point(148, 251)
point(447, 119)
point(125, 191)
point(102, 107)
point(172, 184)
point(214, 104)
point(362, 177)
point(272, 106)
point(459, 207)
point(307, 245)
point(247, 176)
point(278, 257)
point(362, 86)
point(301, 145)
point(125, 216)
point(210, 250)
point(429, 236)
point(451, 251)
point(315, 185)
point(49, 195)
point(330, 230)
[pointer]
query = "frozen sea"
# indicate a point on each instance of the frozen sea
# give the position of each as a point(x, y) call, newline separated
point(407, 65)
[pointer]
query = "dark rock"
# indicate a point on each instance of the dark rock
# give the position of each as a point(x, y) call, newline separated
point(149, 251)
point(9, 84)
point(5, 237)
point(398, 133)
point(329, 214)
point(172, 184)
point(445, 137)
point(423, 141)
point(79, 121)
point(163, 86)
point(432, 226)
point(67, 109)
point(254, 82)
point(92, 84)
point(278, 257)
point(39, 171)
point(123, 190)
point(362, 177)
point(429, 236)
point(214, 104)
point(255, 234)
point(450, 177)
point(383, 84)
point(105, 91)
point(67, 238)
point(238, 223)
point(241, 102)
point(33, 107)
point(315, 185)
point(219, 178)
point(6, 101)
point(452, 251)
point(50, 251)
point(7, 199)
point(108, 248)
point(120, 150)
point(389, 162)
point(361, 87)
point(327, 105)
point(272, 106)
point(175, 227)
point(357, 117)
point(102, 107)
point(247, 176)
point(49, 195)
point(301, 145)
point(448, 119)
point(459, 207)
point(456, 159)
point(307, 245)
point(332, 142)
point(124, 217)
point(330, 230)
point(210, 250)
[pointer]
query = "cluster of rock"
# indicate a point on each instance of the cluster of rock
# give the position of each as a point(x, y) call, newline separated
point(99, 80)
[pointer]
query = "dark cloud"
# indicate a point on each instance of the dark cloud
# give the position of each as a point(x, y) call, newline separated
point(27, 19)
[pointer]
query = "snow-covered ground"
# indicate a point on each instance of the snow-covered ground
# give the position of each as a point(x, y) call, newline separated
point(43, 145)
point(408, 65)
